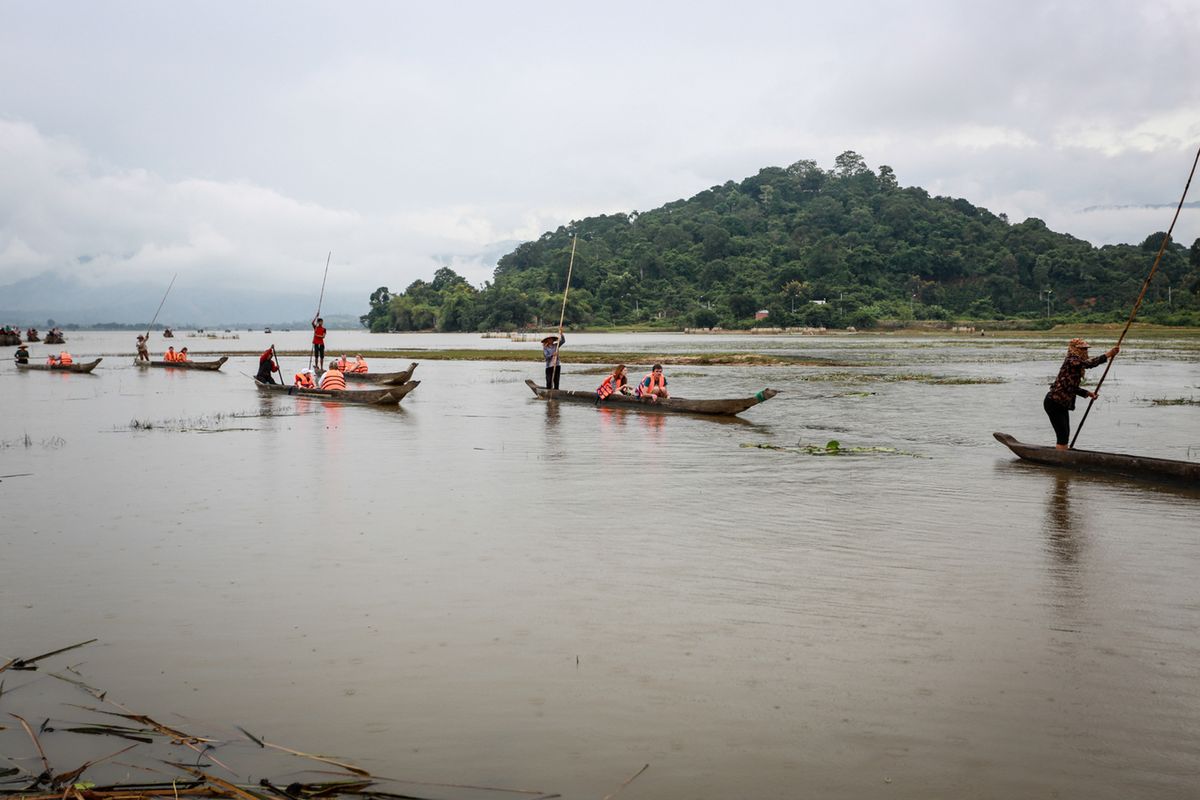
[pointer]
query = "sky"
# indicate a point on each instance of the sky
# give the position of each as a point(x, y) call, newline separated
point(237, 144)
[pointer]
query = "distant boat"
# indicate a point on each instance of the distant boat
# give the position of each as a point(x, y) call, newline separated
point(209, 366)
point(266, 330)
point(715, 408)
point(168, 333)
point(85, 367)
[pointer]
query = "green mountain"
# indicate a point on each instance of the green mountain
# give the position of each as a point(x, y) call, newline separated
point(839, 247)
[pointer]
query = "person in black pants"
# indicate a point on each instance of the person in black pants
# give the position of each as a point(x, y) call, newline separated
point(1060, 400)
point(550, 347)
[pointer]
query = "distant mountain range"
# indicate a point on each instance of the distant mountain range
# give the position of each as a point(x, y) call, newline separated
point(52, 296)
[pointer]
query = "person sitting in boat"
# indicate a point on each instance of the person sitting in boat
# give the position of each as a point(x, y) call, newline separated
point(654, 385)
point(31, 335)
point(63, 360)
point(550, 347)
point(182, 355)
point(267, 365)
point(170, 356)
point(333, 380)
point(1060, 400)
point(22, 355)
point(143, 348)
point(359, 366)
point(305, 380)
point(615, 383)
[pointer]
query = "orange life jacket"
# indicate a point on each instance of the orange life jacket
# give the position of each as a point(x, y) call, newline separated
point(305, 381)
point(611, 384)
point(333, 380)
point(340, 364)
point(64, 358)
point(50, 360)
point(181, 356)
point(359, 366)
point(657, 381)
point(170, 356)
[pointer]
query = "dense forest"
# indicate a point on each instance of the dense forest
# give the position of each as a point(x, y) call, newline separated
point(812, 247)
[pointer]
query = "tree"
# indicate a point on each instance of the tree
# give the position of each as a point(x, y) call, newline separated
point(849, 164)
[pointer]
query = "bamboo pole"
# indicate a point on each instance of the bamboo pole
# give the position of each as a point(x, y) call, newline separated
point(160, 305)
point(562, 316)
point(1141, 295)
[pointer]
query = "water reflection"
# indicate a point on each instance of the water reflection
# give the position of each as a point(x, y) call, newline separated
point(1065, 527)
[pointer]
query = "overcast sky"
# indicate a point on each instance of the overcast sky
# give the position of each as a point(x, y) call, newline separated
point(242, 141)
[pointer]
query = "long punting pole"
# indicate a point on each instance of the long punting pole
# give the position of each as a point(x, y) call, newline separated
point(278, 368)
point(1145, 285)
point(319, 302)
point(567, 288)
point(160, 305)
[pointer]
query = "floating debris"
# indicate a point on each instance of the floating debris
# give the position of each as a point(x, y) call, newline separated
point(831, 448)
point(1175, 401)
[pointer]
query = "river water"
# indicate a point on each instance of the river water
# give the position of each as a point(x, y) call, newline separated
point(483, 588)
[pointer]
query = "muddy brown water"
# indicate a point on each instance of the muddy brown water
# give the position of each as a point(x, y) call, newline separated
point(480, 587)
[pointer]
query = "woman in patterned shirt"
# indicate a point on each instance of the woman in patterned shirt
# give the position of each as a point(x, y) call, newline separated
point(1060, 400)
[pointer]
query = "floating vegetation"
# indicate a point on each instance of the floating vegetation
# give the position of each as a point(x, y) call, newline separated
point(1175, 401)
point(173, 763)
point(26, 441)
point(209, 423)
point(899, 377)
point(831, 448)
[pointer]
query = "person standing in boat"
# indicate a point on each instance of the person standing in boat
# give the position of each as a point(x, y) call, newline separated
point(1060, 400)
point(318, 342)
point(22, 355)
point(615, 383)
point(267, 365)
point(143, 348)
point(654, 385)
point(550, 347)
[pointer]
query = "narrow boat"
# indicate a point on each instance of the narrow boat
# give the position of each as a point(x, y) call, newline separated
point(31, 336)
point(1187, 472)
point(10, 338)
point(387, 378)
point(390, 396)
point(81, 367)
point(54, 338)
point(209, 366)
point(716, 408)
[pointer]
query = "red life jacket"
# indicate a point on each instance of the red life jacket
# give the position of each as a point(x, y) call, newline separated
point(654, 378)
point(610, 385)
point(333, 380)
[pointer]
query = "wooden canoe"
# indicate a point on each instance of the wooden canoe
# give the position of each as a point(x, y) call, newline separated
point(80, 367)
point(390, 396)
point(54, 338)
point(716, 408)
point(1144, 467)
point(209, 366)
point(385, 378)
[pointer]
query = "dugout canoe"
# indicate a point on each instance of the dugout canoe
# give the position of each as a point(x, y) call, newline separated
point(81, 367)
point(208, 366)
point(715, 408)
point(390, 396)
point(1144, 467)
point(54, 338)
point(384, 378)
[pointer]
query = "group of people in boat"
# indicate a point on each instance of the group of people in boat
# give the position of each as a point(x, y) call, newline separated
point(332, 379)
point(171, 356)
point(653, 386)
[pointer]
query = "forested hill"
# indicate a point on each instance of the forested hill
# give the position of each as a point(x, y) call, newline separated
point(839, 247)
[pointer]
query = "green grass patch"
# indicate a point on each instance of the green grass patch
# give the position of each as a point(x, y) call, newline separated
point(831, 448)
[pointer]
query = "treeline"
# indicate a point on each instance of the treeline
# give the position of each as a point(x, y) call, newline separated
point(839, 247)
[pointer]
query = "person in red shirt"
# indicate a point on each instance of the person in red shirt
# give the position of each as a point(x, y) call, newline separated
point(267, 365)
point(319, 342)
